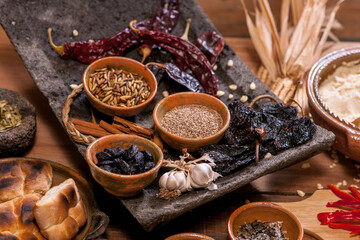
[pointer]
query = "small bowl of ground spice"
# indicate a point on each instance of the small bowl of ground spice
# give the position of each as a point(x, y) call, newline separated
point(191, 120)
point(119, 86)
point(264, 220)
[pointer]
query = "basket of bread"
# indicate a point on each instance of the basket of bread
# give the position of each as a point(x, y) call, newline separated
point(40, 199)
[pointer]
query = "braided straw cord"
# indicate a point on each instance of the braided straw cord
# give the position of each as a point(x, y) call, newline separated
point(75, 134)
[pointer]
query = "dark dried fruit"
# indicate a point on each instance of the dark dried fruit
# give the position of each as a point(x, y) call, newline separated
point(149, 165)
point(102, 156)
point(121, 161)
point(131, 152)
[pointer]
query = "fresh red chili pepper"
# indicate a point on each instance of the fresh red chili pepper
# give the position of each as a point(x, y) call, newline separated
point(192, 55)
point(355, 229)
point(339, 216)
point(341, 194)
point(355, 192)
point(343, 203)
point(117, 45)
point(211, 44)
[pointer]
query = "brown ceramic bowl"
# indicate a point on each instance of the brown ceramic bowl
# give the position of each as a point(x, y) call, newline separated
point(117, 184)
point(189, 236)
point(187, 98)
point(265, 212)
point(127, 64)
point(347, 134)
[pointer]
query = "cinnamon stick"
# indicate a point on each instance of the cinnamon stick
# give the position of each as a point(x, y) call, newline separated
point(130, 127)
point(89, 128)
point(108, 127)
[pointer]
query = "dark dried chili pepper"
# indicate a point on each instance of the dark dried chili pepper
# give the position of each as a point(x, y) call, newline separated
point(230, 158)
point(194, 58)
point(184, 79)
point(211, 44)
point(165, 20)
point(117, 45)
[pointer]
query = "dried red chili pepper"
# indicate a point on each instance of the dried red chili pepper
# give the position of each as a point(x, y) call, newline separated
point(87, 52)
point(211, 44)
point(194, 58)
point(184, 79)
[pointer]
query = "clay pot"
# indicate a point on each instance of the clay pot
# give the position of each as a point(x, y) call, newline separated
point(118, 184)
point(347, 134)
point(187, 98)
point(265, 212)
point(129, 65)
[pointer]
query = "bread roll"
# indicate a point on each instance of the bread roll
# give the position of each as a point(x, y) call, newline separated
point(60, 213)
point(17, 218)
point(18, 178)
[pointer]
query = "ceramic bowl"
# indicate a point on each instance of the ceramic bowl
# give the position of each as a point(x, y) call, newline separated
point(347, 134)
point(265, 212)
point(187, 98)
point(129, 65)
point(189, 236)
point(118, 184)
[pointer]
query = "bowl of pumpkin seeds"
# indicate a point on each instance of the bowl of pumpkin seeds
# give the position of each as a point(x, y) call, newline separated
point(119, 86)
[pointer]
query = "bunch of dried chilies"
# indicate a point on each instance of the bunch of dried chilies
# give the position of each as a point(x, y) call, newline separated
point(153, 33)
point(252, 134)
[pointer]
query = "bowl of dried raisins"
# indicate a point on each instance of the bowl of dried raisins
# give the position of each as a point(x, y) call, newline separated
point(119, 86)
point(124, 164)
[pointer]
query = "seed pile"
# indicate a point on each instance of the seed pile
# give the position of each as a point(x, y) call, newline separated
point(9, 116)
point(118, 87)
point(192, 121)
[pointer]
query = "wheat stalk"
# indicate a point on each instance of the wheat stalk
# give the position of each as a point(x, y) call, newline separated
point(288, 54)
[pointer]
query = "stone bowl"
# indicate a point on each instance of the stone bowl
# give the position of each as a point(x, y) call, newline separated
point(129, 65)
point(265, 212)
point(347, 134)
point(119, 184)
point(187, 98)
point(17, 140)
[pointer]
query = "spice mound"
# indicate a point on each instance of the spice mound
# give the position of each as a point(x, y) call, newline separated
point(192, 121)
point(340, 91)
point(118, 87)
point(258, 230)
point(121, 161)
point(9, 117)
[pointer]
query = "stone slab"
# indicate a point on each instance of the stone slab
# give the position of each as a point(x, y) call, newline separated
point(26, 23)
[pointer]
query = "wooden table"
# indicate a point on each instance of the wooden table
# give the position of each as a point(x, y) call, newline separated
point(52, 143)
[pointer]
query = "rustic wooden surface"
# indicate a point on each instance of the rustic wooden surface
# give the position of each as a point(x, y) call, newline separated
point(52, 143)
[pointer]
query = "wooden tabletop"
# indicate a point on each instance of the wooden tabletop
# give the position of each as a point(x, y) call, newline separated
point(53, 143)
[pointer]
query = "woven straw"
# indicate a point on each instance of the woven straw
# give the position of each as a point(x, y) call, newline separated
point(70, 128)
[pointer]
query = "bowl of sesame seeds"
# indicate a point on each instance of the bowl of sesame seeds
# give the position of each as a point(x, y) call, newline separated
point(191, 120)
point(119, 86)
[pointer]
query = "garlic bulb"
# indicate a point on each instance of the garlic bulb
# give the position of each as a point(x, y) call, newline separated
point(174, 181)
point(202, 176)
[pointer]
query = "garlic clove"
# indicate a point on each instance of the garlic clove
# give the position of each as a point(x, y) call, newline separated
point(212, 187)
point(202, 175)
point(173, 181)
